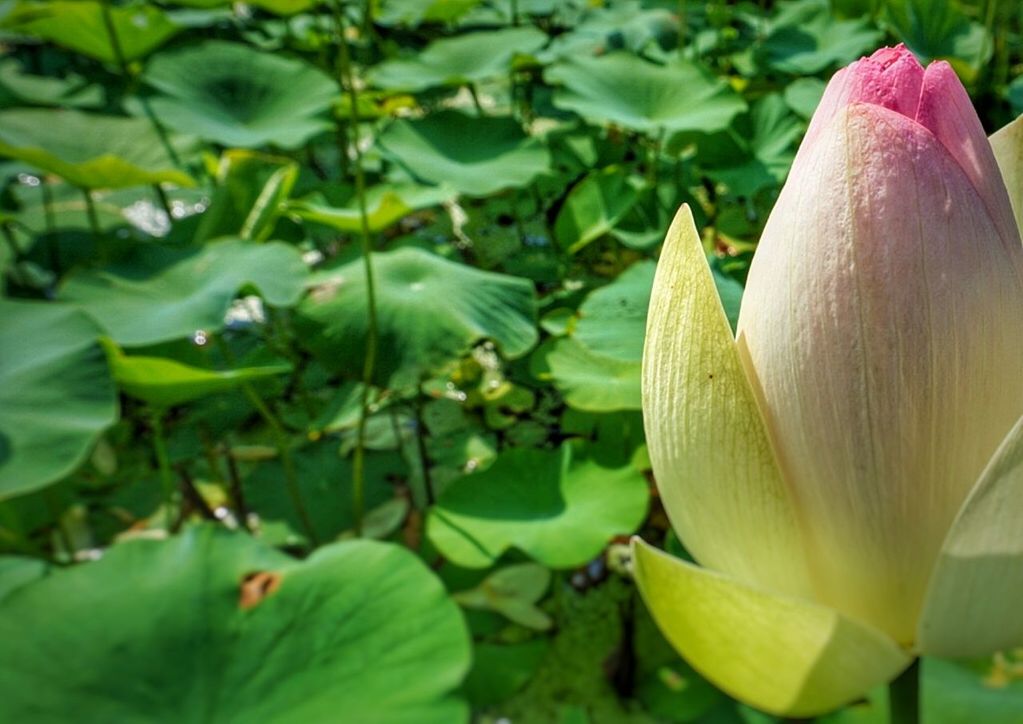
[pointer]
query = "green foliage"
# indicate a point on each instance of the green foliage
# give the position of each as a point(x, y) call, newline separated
point(192, 196)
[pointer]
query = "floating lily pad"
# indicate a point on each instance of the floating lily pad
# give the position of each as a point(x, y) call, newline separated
point(79, 25)
point(166, 382)
point(623, 89)
point(476, 156)
point(239, 96)
point(88, 150)
point(560, 511)
point(429, 311)
point(460, 60)
point(56, 394)
point(805, 38)
point(160, 294)
point(218, 626)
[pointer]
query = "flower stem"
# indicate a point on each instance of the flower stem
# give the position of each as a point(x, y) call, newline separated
point(369, 361)
point(904, 696)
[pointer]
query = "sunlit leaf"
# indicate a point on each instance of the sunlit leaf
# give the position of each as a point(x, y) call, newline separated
point(79, 25)
point(476, 156)
point(460, 60)
point(560, 511)
point(217, 624)
point(238, 96)
point(623, 89)
point(429, 311)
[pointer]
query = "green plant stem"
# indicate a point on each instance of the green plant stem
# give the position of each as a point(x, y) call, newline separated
point(515, 12)
point(283, 448)
point(287, 462)
point(161, 196)
point(904, 696)
point(424, 457)
point(90, 210)
point(369, 361)
point(62, 532)
point(115, 42)
point(475, 99)
point(163, 464)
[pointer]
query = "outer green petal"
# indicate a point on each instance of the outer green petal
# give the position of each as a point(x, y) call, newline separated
point(784, 655)
point(1007, 143)
point(973, 605)
point(710, 453)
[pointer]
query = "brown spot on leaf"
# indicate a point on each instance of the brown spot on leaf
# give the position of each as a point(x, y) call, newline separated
point(257, 586)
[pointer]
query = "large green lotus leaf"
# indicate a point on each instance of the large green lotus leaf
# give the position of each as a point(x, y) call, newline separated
point(589, 380)
point(217, 626)
point(165, 382)
point(476, 156)
point(623, 89)
point(159, 294)
point(593, 207)
point(56, 394)
point(612, 319)
point(805, 38)
point(560, 511)
point(459, 60)
point(80, 26)
point(18, 87)
point(429, 311)
point(88, 150)
point(239, 96)
point(386, 204)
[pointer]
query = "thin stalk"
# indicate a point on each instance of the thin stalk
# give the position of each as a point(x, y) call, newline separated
point(90, 210)
point(237, 493)
point(904, 696)
point(475, 99)
point(163, 463)
point(287, 462)
point(369, 361)
point(515, 12)
point(683, 27)
point(115, 42)
point(424, 456)
point(161, 196)
point(62, 531)
point(52, 244)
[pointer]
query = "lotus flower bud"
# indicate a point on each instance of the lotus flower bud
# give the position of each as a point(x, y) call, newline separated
point(848, 469)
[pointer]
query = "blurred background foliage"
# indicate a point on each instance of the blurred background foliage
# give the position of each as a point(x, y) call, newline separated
point(310, 503)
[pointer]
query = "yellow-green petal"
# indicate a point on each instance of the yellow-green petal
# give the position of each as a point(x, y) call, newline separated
point(709, 450)
point(787, 656)
point(1007, 144)
point(974, 604)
